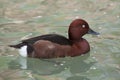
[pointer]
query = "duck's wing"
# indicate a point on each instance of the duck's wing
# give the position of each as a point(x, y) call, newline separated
point(55, 38)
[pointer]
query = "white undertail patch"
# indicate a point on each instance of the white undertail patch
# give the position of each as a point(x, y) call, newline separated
point(23, 51)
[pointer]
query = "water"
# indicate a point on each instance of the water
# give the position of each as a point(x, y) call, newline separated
point(21, 19)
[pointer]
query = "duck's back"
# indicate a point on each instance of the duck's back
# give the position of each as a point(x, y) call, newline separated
point(55, 38)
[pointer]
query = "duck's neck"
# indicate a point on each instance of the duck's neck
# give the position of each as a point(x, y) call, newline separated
point(74, 35)
point(77, 40)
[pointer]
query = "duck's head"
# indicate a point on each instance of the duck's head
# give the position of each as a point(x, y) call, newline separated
point(78, 28)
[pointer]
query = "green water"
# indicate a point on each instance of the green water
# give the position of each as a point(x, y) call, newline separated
point(20, 19)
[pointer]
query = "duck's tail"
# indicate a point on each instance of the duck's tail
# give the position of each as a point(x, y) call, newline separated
point(17, 45)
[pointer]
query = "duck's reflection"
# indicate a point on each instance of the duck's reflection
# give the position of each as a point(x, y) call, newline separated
point(42, 67)
point(52, 66)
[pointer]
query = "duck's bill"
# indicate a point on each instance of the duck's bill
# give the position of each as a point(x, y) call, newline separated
point(93, 32)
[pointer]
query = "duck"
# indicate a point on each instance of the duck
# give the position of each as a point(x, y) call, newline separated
point(49, 46)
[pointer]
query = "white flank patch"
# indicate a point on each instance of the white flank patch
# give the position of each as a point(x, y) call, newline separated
point(23, 51)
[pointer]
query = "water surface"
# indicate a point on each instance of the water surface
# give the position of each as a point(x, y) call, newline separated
point(21, 19)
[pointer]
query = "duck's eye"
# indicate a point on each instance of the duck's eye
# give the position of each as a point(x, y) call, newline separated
point(83, 26)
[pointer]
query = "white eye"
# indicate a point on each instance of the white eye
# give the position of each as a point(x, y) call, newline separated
point(83, 26)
